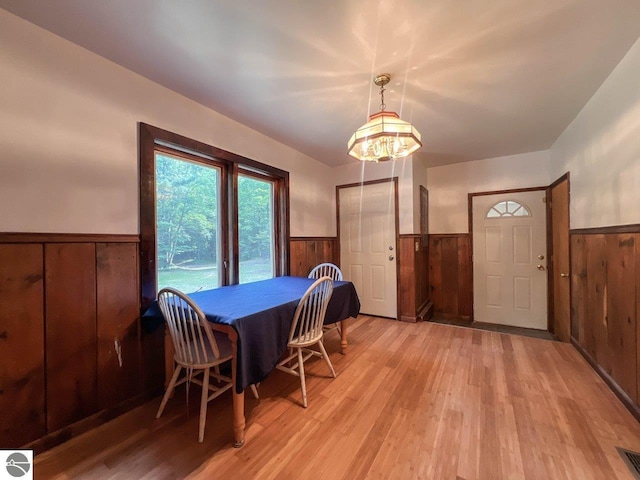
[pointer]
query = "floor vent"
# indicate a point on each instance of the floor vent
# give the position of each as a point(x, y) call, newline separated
point(632, 459)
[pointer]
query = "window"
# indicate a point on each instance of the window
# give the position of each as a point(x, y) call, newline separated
point(255, 228)
point(187, 223)
point(508, 208)
point(208, 217)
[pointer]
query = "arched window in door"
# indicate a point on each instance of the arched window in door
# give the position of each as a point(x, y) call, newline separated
point(508, 208)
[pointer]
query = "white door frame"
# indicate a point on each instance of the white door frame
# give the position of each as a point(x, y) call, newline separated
point(397, 226)
point(548, 253)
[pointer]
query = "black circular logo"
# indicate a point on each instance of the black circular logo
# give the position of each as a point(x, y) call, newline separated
point(17, 464)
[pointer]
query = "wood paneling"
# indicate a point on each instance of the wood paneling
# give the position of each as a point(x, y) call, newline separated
point(605, 287)
point(596, 301)
point(413, 278)
point(70, 309)
point(117, 323)
point(64, 299)
point(621, 310)
point(637, 242)
point(307, 252)
point(578, 287)
point(407, 277)
point(450, 274)
point(22, 388)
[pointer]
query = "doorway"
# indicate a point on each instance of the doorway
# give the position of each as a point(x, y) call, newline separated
point(368, 231)
point(509, 235)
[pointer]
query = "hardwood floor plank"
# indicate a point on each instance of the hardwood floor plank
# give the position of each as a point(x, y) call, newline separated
point(423, 401)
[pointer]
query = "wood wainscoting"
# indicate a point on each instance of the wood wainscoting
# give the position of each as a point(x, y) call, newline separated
point(605, 306)
point(413, 278)
point(450, 274)
point(307, 252)
point(69, 334)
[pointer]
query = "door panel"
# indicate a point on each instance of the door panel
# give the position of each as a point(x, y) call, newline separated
point(509, 237)
point(368, 245)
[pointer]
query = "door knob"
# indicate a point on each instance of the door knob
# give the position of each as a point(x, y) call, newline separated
point(390, 257)
point(540, 267)
point(564, 275)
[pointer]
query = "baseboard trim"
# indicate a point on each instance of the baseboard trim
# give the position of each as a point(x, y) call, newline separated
point(611, 383)
point(81, 426)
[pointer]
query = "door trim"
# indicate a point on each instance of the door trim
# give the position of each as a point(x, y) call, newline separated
point(547, 219)
point(552, 318)
point(396, 222)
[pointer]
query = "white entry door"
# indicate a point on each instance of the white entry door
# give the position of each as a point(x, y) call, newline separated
point(368, 245)
point(509, 259)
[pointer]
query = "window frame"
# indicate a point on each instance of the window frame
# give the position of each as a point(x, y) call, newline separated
point(507, 213)
point(152, 139)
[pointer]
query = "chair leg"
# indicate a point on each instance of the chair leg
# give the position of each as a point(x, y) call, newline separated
point(302, 380)
point(326, 358)
point(203, 405)
point(255, 391)
point(169, 390)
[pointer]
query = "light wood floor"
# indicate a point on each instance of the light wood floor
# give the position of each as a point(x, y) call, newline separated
point(410, 401)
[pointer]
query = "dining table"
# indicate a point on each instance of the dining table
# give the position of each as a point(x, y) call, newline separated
point(257, 318)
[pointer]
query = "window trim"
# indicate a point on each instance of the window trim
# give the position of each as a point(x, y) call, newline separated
point(152, 139)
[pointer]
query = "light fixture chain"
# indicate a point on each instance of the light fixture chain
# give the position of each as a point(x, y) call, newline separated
point(382, 105)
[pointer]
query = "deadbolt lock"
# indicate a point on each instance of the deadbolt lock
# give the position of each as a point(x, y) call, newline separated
point(540, 257)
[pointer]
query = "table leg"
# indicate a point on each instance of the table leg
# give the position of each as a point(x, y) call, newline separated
point(343, 337)
point(238, 419)
point(238, 398)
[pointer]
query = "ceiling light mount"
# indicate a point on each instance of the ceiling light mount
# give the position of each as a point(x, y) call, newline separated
point(385, 136)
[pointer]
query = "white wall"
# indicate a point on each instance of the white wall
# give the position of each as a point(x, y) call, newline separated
point(69, 142)
point(367, 171)
point(449, 185)
point(601, 150)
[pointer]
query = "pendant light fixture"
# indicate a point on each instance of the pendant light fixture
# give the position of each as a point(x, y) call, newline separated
point(385, 136)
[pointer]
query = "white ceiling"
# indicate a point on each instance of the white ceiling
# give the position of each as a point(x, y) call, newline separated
point(477, 78)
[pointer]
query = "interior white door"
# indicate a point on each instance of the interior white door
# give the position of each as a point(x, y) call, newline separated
point(368, 245)
point(509, 259)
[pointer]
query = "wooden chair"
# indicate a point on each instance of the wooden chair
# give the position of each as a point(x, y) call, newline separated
point(198, 349)
point(326, 270)
point(306, 331)
point(329, 270)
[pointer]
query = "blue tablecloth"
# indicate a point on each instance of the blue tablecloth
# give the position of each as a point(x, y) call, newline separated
point(261, 312)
